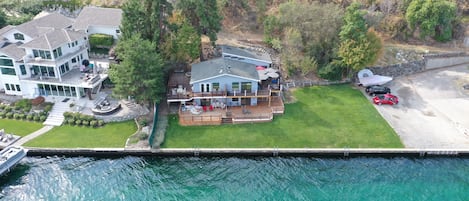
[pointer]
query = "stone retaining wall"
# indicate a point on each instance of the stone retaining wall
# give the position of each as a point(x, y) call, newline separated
point(430, 61)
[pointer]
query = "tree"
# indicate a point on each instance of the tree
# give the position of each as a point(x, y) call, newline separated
point(203, 15)
point(359, 47)
point(434, 18)
point(147, 18)
point(140, 74)
point(306, 41)
point(3, 19)
point(184, 42)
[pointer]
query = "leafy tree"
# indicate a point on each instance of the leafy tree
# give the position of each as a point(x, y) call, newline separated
point(147, 18)
point(140, 74)
point(434, 18)
point(203, 15)
point(184, 42)
point(303, 37)
point(359, 47)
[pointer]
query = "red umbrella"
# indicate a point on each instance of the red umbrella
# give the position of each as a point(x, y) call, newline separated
point(260, 68)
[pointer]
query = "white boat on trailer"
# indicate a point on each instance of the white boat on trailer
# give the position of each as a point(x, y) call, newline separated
point(10, 156)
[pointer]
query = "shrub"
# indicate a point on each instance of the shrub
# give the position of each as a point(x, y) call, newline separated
point(16, 116)
point(85, 123)
point(143, 136)
point(26, 110)
point(29, 117)
point(71, 121)
point(72, 104)
point(42, 118)
point(23, 104)
point(38, 100)
point(100, 123)
point(78, 122)
point(101, 40)
point(22, 116)
point(36, 118)
point(9, 115)
point(67, 115)
point(2, 106)
point(93, 123)
point(2, 114)
point(143, 122)
point(48, 108)
point(8, 109)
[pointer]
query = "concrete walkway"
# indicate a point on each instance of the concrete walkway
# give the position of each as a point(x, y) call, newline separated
point(31, 136)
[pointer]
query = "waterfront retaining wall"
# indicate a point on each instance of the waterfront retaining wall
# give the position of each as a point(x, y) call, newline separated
point(263, 152)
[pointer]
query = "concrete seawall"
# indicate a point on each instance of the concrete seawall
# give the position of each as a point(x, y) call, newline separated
point(264, 152)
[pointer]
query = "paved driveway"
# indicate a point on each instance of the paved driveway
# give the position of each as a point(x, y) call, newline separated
point(433, 109)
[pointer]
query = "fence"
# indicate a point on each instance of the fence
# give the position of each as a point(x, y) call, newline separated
point(307, 83)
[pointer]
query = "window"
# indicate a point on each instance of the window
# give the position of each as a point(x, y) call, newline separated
point(216, 86)
point(246, 86)
point(12, 86)
point(8, 71)
point(57, 52)
point(73, 44)
point(18, 87)
point(118, 31)
point(42, 53)
point(204, 87)
point(235, 86)
point(43, 71)
point(68, 45)
point(74, 60)
point(7, 86)
point(6, 62)
point(23, 70)
point(18, 36)
point(76, 42)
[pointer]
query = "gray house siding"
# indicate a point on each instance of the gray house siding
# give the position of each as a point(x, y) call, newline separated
point(225, 82)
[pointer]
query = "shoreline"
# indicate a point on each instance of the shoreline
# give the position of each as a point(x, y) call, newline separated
point(251, 152)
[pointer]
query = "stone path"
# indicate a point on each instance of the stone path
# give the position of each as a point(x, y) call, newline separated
point(33, 135)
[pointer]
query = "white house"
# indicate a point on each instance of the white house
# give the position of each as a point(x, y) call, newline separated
point(94, 20)
point(44, 57)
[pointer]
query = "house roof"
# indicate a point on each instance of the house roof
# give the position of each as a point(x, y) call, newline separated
point(6, 29)
point(222, 67)
point(44, 24)
point(96, 16)
point(13, 51)
point(54, 39)
point(247, 52)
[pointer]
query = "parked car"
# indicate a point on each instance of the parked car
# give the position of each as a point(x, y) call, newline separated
point(373, 90)
point(385, 99)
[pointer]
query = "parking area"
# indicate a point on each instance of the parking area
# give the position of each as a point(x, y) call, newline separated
point(433, 109)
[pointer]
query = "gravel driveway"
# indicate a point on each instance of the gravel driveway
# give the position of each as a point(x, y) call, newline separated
point(433, 109)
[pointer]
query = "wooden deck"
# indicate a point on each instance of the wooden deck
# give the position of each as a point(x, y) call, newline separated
point(236, 114)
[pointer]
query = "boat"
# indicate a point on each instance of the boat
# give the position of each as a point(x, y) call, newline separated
point(10, 156)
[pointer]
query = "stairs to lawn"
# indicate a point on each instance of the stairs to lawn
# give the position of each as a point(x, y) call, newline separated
point(56, 116)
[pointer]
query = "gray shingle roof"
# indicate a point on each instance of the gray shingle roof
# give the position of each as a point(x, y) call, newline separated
point(247, 52)
point(222, 67)
point(39, 26)
point(95, 16)
point(6, 29)
point(54, 39)
point(13, 51)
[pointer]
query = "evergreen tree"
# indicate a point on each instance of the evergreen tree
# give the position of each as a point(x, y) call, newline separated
point(203, 15)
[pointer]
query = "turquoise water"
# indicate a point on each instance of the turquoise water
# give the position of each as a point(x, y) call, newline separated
point(140, 178)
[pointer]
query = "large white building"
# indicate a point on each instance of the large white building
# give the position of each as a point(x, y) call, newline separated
point(94, 20)
point(44, 57)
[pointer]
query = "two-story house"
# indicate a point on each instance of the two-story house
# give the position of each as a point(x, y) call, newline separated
point(241, 79)
point(46, 57)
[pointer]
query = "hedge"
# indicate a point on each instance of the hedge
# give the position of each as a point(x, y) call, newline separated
point(101, 40)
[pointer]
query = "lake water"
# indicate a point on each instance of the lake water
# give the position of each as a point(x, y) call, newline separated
point(140, 178)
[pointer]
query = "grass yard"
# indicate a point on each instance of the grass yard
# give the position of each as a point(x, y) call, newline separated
point(19, 127)
point(112, 135)
point(323, 117)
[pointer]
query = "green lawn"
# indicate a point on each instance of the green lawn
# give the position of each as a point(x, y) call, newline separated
point(112, 135)
point(323, 117)
point(19, 127)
